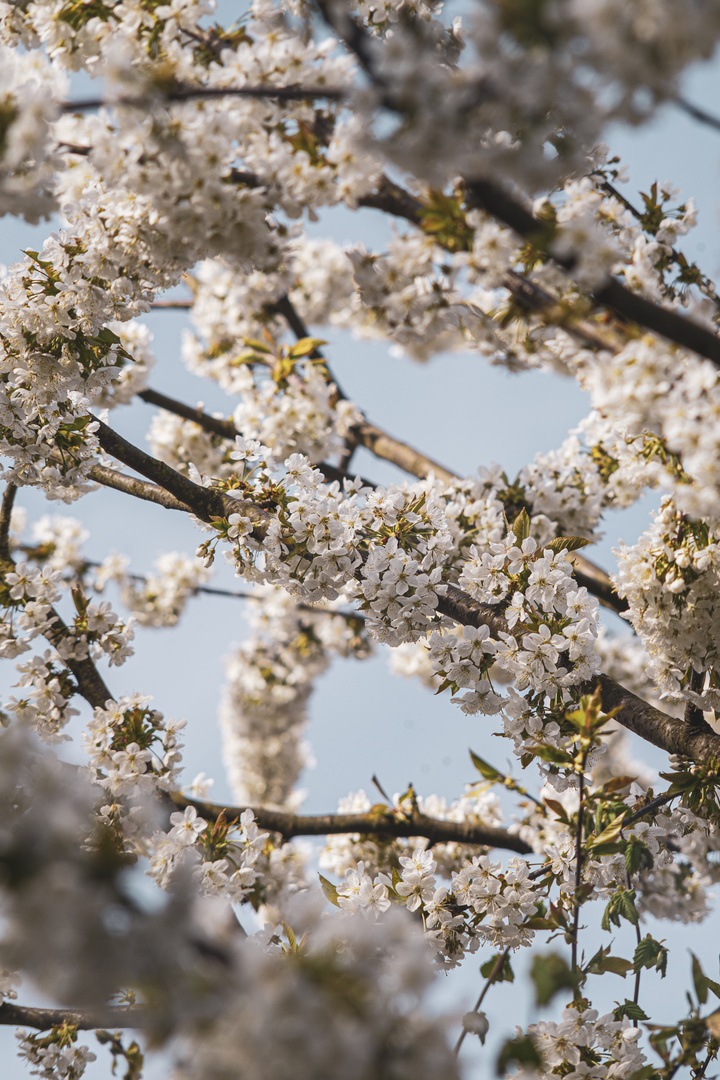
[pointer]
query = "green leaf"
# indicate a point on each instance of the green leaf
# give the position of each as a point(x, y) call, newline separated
point(638, 856)
point(650, 954)
point(559, 809)
point(621, 905)
point(521, 526)
point(618, 783)
point(631, 1010)
point(602, 961)
point(610, 832)
point(505, 974)
point(702, 982)
point(568, 543)
point(329, 889)
point(701, 986)
point(107, 336)
point(552, 754)
point(486, 771)
point(522, 1051)
point(551, 974)
point(258, 346)
point(290, 935)
point(305, 346)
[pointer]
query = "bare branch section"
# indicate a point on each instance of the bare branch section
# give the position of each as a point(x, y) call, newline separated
point(114, 1016)
point(190, 93)
point(695, 740)
point(140, 489)
point(389, 823)
point(6, 509)
point(701, 115)
point(205, 503)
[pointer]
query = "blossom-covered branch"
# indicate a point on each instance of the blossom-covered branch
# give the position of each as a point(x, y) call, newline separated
point(381, 823)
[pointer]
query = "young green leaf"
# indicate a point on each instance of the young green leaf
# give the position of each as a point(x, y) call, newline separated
point(650, 954)
point(521, 526)
point(329, 889)
point(551, 974)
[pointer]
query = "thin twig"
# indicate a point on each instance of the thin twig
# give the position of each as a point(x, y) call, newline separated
point(578, 867)
point(697, 113)
point(497, 966)
point(226, 429)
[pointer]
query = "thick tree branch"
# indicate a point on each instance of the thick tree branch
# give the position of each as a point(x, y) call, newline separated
point(488, 196)
point(6, 508)
point(205, 503)
point(392, 823)
point(693, 740)
point(90, 682)
point(111, 1016)
point(140, 489)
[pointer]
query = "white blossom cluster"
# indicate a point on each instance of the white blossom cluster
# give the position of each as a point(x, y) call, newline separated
point(552, 624)
point(231, 876)
point(586, 1044)
point(482, 904)
point(29, 90)
point(160, 597)
point(133, 747)
point(270, 678)
point(670, 578)
point(344, 851)
point(54, 1061)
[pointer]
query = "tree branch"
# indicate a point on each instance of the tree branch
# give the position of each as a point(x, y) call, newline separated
point(6, 508)
point(111, 1016)
point(140, 489)
point(392, 823)
point(189, 93)
point(697, 113)
point(696, 740)
point(488, 196)
point(205, 503)
point(227, 430)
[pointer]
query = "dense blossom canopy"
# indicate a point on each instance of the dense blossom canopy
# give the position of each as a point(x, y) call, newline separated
point(203, 154)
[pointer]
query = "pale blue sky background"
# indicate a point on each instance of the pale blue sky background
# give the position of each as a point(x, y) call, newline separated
point(464, 413)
